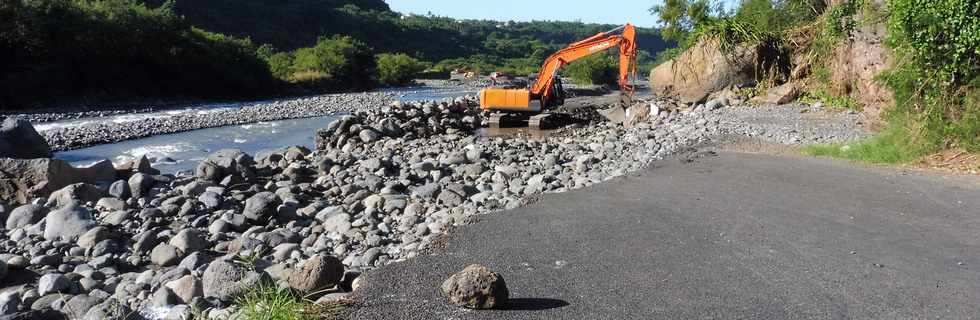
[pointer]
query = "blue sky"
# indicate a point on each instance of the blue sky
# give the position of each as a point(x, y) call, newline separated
point(599, 11)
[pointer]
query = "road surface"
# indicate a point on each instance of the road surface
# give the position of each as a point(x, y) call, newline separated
point(732, 236)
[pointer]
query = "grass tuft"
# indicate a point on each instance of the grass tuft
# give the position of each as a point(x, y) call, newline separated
point(267, 301)
point(893, 146)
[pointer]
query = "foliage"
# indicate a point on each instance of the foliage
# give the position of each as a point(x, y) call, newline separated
point(75, 49)
point(345, 62)
point(266, 301)
point(601, 69)
point(681, 17)
point(779, 15)
point(398, 69)
point(937, 75)
point(831, 101)
point(840, 20)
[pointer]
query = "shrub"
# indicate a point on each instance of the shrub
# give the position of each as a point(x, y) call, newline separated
point(398, 69)
point(937, 77)
point(348, 62)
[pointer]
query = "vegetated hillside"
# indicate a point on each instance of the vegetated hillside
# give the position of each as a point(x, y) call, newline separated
point(291, 24)
point(913, 64)
point(80, 51)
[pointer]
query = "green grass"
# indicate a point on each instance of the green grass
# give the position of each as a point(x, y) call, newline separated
point(831, 101)
point(893, 146)
point(266, 301)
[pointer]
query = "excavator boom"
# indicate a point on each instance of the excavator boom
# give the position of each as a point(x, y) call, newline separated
point(547, 87)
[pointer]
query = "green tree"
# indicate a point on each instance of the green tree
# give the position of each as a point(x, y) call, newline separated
point(681, 17)
point(344, 61)
point(597, 70)
point(398, 69)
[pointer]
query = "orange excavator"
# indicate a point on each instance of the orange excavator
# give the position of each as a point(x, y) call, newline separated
point(548, 92)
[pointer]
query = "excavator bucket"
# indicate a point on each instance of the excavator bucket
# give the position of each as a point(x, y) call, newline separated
point(626, 112)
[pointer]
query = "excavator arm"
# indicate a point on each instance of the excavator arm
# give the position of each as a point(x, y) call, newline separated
point(624, 37)
point(544, 89)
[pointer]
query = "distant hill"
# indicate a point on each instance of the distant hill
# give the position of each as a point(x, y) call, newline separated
point(291, 24)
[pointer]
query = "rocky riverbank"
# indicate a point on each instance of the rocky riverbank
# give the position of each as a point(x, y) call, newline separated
point(383, 185)
point(75, 137)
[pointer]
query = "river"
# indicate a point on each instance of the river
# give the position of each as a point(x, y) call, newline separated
point(182, 151)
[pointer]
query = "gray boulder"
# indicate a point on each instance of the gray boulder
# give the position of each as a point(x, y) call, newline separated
point(189, 240)
point(476, 287)
point(165, 255)
point(111, 309)
point(139, 184)
point(226, 280)
point(53, 283)
point(21, 180)
point(8, 302)
point(19, 140)
point(68, 223)
point(79, 192)
point(25, 215)
point(261, 206)
point(120, 189)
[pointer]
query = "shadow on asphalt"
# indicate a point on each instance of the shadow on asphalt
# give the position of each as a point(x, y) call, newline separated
point(533, 304)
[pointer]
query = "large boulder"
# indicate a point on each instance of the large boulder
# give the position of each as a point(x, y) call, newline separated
point(317, 273)
point(783, 94)
point(701, 70)
point(261, 206)
point(23, 179)
point(68, 223)
point(25, 215)
point(79, 192)
point(19, 140)
point(476, 287)
point(227, 163)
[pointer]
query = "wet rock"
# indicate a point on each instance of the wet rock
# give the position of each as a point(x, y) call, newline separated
point(476, 287)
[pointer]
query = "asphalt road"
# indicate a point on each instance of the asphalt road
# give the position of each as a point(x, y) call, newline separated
point(733, 236)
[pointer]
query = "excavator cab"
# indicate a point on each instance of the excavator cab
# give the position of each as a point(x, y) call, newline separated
point(547, 89)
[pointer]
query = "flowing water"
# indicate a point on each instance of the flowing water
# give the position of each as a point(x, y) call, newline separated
point(182, 151)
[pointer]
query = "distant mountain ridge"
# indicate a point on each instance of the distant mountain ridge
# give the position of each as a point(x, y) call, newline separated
point(291, 24)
